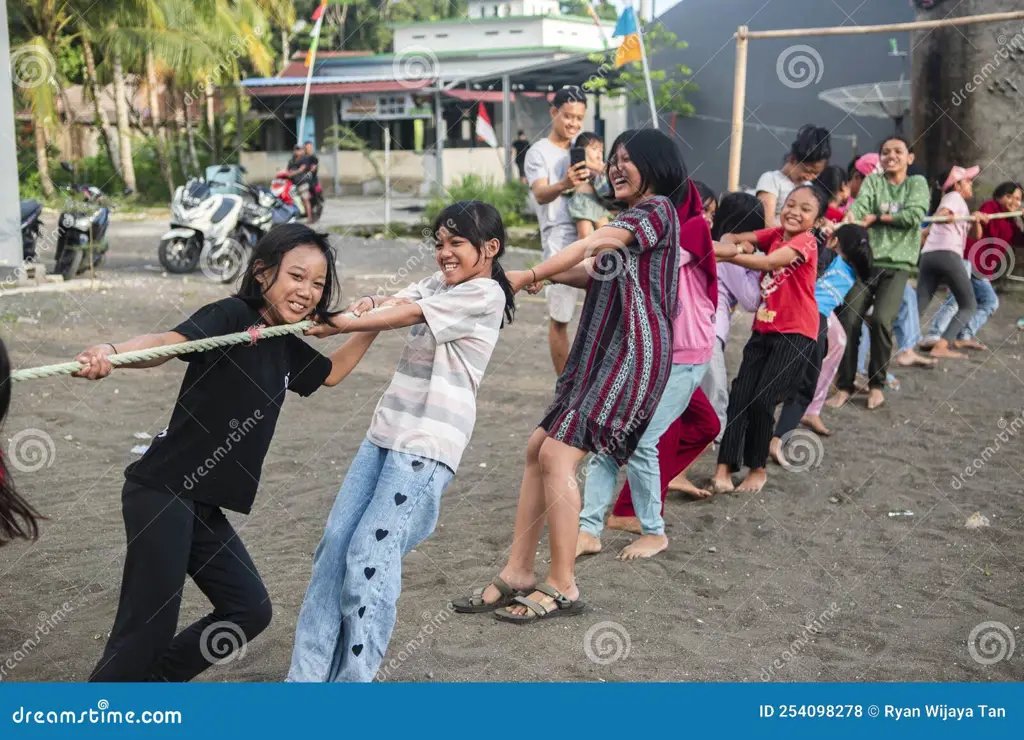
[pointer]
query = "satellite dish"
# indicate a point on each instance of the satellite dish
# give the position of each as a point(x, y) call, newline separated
point(873, 100)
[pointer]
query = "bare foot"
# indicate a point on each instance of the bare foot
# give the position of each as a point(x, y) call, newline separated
point(775, 451)
point(754, 481)
point(816, 425)
point(722, 482)
point(910, 358)
point(969, 344)
point(942, 350)
point(838, 400)
point(624, 523)
point(647, 546)
point(587, 544)
point(875, 399)
point(683, 485)
point(927, 343)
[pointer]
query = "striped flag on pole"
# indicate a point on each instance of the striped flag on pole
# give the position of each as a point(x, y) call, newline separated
point(314, 39)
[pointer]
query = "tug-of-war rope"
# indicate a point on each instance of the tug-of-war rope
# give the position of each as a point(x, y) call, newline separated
point(196, 345)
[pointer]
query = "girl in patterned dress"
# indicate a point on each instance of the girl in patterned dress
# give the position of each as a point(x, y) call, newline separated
point(616, 372)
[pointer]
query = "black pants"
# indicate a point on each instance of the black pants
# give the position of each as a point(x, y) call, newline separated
point(946, 267)
point(883, 291)
point(772, 365)
point(800, 397)
point(169, 538)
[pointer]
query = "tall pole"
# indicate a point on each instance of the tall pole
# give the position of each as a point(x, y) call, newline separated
point(647, 79)
point(10, 219)
point(314, 40)
point(739, 102)
point(439, 134)
point(506, 124)
point(387, 176)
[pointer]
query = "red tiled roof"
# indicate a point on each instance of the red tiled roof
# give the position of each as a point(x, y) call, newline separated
point(337, 88)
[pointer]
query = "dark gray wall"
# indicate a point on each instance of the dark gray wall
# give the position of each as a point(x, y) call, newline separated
point(708, 26)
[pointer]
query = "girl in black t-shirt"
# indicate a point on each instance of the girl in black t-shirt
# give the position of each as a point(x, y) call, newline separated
point(210, 458)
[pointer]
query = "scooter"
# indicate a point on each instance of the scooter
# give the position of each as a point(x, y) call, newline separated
point(82, 229)
point(31, 222)
point(203, 226)
point(282, 187)
point(261, 211)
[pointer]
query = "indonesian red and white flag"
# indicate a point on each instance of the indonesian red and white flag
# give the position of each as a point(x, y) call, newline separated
point(484, 129)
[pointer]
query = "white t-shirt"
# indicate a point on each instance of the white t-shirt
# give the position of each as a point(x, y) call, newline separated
point(776, 183)
point(548, 161)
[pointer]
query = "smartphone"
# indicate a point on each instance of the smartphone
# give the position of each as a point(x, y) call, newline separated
point(577, 154)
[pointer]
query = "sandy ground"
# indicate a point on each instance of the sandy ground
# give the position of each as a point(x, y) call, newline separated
point(787, 585)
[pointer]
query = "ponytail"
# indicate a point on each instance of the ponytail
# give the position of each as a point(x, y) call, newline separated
point(498, 275)
point(937, 191)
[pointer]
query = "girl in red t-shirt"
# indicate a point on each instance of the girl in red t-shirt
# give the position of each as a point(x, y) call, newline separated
point(784, 335)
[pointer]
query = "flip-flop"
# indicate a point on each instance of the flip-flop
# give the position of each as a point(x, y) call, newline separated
point(474, 604)
point(564, 607)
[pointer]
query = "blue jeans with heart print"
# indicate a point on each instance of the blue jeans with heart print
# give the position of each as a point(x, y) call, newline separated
point(387, 505)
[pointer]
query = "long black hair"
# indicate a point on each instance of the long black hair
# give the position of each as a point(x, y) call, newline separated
point(17, 517)
point(737, 213)
point(657, 159)
point(832, 180)
point(478, 223)
point(268, 255)
point(855, 249)
point(812, 144)
point(937, 191)
point(1006, 188)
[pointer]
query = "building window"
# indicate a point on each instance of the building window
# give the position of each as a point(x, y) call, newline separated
point(420, 36)
point(440, 35)
point(490, 33)
point(392, 106)
point(516, 30)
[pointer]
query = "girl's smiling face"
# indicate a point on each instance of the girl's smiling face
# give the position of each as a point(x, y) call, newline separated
point(800, 212)
point(1012, 201)
point(460, 260)
point(895, 157)
point(965, 188)
point(294, 289)
point(624, 176)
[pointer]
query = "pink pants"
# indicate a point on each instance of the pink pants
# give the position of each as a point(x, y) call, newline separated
point(830, 365)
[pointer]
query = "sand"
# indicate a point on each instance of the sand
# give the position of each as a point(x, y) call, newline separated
point(785, 585)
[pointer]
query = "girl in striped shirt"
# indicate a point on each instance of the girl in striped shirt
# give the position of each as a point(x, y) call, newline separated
point(391, 495)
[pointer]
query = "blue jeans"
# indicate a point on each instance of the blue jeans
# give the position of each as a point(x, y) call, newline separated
point(906, 330)
point(988, 302)
point(388, 504)
point(642, 469)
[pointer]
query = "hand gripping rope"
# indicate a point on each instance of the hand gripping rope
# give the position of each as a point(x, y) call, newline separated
point(197, 345)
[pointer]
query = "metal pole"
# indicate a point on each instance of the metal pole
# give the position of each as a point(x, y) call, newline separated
point(314, 39)
point(439, 129)
point(647, 79)
point(10, 219)
point(506, 124)
point(739, 102)
point(335, 102)
point(387, 175)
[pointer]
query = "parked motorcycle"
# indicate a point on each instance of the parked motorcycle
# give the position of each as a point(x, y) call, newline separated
point(82, 229)
point(31, 222)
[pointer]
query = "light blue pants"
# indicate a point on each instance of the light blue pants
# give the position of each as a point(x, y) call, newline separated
point(906, 331)
point(642, 468)
point(716, 386)
point(988, 302)
point(388, 504)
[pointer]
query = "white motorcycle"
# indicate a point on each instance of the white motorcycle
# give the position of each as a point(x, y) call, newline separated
point(203, 232)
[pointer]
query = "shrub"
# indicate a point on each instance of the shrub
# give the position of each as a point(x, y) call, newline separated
point(508, 197)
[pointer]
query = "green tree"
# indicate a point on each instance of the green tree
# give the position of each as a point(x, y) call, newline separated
point(671, 84)
point(604, 9)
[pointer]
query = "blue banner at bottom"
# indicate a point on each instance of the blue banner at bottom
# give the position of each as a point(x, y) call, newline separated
point(449, 710)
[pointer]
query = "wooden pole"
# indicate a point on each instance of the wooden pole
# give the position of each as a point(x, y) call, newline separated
point(950, 219)
point(739, 102)
point(889, 28)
